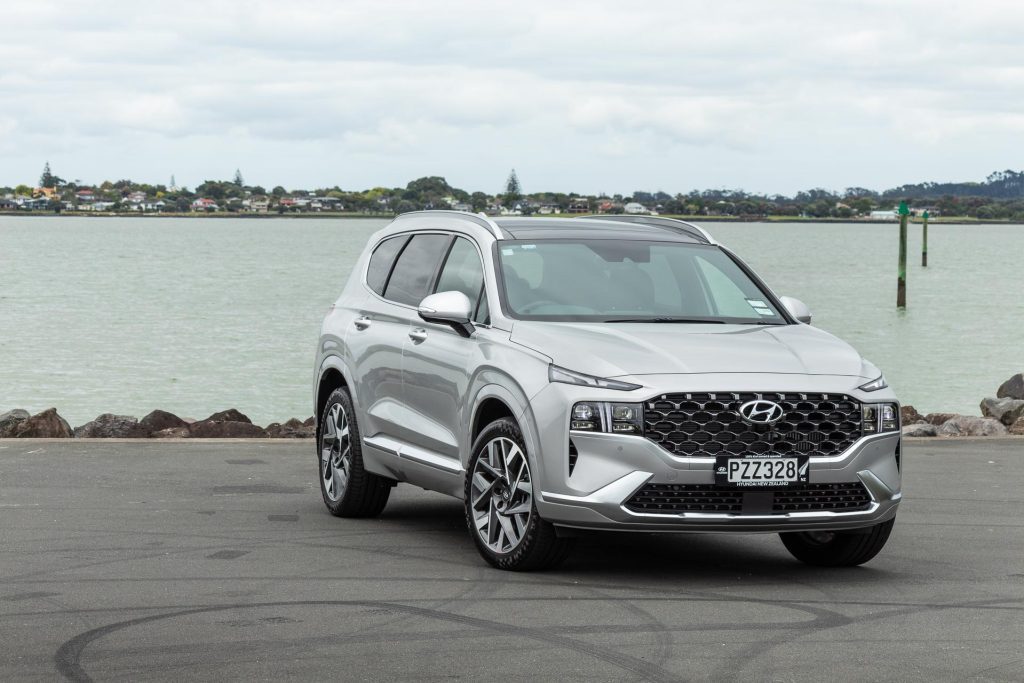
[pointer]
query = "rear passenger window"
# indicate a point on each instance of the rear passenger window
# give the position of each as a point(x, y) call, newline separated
point(381, 261)
point(414, 271)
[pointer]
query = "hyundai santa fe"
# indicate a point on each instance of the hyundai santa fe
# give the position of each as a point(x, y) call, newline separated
point(618, 373)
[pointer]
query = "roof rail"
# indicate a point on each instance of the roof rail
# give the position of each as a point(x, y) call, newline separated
point(480, 219)
point(673, 224)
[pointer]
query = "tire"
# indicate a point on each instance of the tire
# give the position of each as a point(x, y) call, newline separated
point(501, 513)
point(838, 548)
point(347, 488)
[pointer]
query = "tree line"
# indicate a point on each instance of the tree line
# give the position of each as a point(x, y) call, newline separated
point(999, 196)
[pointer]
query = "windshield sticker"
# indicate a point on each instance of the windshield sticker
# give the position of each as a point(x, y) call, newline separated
point(508, 252)
point(760, 307)
point(528, 246)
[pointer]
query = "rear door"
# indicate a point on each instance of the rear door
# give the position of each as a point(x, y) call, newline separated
point(401, 270)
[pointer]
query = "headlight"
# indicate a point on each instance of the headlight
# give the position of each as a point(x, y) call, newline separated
point(557, 374)
point(880, 417)
point(875, 384)
point(617, 418)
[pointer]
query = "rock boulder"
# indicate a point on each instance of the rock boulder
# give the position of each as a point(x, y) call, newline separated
point(10, 420)
point(229, 415)
point(292, 429)
point(1012, 388)
point(110, 426)
point(1006, 410)
point(967, 425)
point(1017, 427)
point(45, 425)
point(910, 416)
point(921, 429)
point(225, 429)
point(939, 419)
point(159, 420)
point(171, 433)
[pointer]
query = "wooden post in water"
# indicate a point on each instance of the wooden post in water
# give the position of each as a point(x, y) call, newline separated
point(924, 242)
point(901, 281)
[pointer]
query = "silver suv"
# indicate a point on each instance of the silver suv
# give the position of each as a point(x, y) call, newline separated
point(621, 372)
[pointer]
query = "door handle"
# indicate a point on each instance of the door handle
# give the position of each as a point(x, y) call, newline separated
point(361, 322)
point(418, 335)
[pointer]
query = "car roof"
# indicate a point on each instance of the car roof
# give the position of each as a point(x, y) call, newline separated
point(622, 228)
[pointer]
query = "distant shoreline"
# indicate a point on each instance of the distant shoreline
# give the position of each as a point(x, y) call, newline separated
point(952, 220)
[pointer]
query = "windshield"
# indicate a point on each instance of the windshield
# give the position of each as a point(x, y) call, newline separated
point(628, 281)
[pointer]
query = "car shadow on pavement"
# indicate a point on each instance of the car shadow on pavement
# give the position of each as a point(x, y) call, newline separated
point(650, 556)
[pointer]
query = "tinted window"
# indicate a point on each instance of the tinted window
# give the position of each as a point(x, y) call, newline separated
point(380, 262)
point(414, 271)
point(463, 271)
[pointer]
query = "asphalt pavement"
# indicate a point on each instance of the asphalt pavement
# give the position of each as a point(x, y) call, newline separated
point(170, 560)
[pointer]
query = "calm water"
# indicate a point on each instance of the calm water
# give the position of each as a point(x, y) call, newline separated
point(195, 315)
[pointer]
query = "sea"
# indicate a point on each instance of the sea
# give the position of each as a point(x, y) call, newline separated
point(196, 315)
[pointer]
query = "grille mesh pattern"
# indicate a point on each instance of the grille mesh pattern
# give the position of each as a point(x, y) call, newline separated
point(675, 498)
point(686, 498)
point(706, 425)
point(822, 497)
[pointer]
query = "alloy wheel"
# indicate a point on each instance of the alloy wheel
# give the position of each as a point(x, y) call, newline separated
point(501, 495)
point(335, 453)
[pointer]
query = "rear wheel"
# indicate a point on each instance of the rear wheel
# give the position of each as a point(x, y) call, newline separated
point(500, 508)
point(838, 548)
point(347, 488)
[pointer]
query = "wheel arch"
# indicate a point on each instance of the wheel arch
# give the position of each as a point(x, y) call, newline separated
point(333, 374)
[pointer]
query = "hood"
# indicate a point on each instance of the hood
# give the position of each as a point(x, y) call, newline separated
point(618, 349)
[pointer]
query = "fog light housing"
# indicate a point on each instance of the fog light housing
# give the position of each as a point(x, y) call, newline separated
point(615, 418)
point(890, 417)
point(880, 417)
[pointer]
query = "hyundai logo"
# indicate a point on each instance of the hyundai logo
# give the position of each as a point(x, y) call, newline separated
point(760, 412)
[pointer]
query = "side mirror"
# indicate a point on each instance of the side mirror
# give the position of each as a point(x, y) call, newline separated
point(798, 309)
point(449, 308)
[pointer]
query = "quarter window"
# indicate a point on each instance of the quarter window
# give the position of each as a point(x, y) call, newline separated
point(381, 261)
point(415, 268)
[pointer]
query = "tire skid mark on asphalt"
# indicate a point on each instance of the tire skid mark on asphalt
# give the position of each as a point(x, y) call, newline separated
point(753, 656)
point(68, 656)
point(235, 541)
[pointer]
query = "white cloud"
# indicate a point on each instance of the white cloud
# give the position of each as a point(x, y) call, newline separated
point(586, 95)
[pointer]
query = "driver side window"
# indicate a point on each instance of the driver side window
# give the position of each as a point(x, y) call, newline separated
point(463, 272)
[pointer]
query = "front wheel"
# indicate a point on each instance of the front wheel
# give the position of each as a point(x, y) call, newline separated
point(500, 510)
point(838, 548)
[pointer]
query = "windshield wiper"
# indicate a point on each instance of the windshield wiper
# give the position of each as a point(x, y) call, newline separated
point(666, 320)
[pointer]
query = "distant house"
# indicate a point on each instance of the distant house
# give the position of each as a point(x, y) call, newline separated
point(883, 215)
point(579, 205)
point(258, 204)
point(461, 206)
point(635, 208)
point(7, 204)
point(136, 197)
point(548, 209)
point(204, 204)
point(85, 196)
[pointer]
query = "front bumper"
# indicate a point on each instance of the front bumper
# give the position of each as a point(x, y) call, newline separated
point(611, 468)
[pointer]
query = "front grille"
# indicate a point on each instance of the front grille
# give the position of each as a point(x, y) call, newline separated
point(810, 497)
point(676, 498)
point(706, 425)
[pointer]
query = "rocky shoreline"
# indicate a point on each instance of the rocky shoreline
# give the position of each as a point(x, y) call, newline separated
point(159, 424)
point(1002, 415)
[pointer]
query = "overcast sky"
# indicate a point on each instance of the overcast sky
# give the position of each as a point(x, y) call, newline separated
point(768, 96)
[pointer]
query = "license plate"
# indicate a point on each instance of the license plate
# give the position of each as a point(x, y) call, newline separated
point(761, 470)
